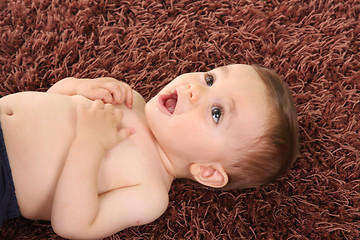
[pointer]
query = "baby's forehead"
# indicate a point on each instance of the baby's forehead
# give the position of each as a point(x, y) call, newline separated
point(234, 67)
point(240, 73)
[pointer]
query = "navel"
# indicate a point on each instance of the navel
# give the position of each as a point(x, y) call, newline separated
point(9, 111)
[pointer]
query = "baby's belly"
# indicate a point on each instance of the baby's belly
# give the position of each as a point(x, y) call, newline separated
point(38, 130)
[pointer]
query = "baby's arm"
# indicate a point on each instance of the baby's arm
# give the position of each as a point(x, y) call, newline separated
point(76, 201)
point(109, 90)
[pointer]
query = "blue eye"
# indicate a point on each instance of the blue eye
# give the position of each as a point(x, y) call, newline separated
point(216, 113)
point(209, 79)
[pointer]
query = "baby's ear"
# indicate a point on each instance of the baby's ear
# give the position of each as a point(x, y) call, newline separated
point(209, 174)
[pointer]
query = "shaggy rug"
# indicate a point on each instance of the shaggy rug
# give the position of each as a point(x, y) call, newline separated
point(314, 46)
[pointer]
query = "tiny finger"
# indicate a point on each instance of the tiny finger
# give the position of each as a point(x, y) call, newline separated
point(109, 107)
point(98, 104)
point(129, 97)
point(114, 91)
point(103, 94)
point(125, 132)
point(118, 114)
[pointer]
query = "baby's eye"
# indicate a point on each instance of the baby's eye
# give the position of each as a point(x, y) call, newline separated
point(209, 79)
point(216, 113)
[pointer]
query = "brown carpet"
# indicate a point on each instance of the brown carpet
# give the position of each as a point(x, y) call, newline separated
point(313, 44)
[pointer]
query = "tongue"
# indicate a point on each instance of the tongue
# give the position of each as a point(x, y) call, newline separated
point(170, 105)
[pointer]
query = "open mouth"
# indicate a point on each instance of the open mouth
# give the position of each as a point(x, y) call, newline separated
point(169, 101)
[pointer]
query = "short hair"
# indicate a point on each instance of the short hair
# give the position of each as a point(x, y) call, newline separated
point(271, 155)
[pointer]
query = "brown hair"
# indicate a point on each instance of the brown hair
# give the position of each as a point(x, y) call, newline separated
point(272, 154)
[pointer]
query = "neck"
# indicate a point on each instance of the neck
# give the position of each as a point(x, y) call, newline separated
point(167, 163)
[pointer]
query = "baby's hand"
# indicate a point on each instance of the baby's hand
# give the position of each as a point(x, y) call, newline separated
point(109, 90)
point(101, 123)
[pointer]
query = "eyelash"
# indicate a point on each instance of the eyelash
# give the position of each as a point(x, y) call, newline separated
point(209, 79)
point(216, 113)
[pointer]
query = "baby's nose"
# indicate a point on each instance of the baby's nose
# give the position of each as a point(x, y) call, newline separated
point(193, 91)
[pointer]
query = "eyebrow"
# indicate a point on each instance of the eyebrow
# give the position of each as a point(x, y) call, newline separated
point(231, 111)
point(231, 105)
point(224, 69)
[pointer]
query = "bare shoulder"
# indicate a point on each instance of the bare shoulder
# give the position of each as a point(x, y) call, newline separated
point(138, 99)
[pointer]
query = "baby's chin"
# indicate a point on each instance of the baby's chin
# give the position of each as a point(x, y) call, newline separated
point(150, 102)
point(150, 106)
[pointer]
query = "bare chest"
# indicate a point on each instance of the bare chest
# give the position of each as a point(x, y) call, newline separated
point(132, 162)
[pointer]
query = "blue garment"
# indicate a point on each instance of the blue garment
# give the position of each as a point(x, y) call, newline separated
point(8, 203)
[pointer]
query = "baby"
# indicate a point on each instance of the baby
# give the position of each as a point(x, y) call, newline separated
point(91, 156)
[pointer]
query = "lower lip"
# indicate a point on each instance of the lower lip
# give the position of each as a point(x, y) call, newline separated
point(162, 107)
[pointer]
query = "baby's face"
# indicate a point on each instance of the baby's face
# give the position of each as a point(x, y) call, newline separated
point(200, 117)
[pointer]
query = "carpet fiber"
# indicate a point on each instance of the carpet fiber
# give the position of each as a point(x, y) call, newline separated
point(314, 46)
